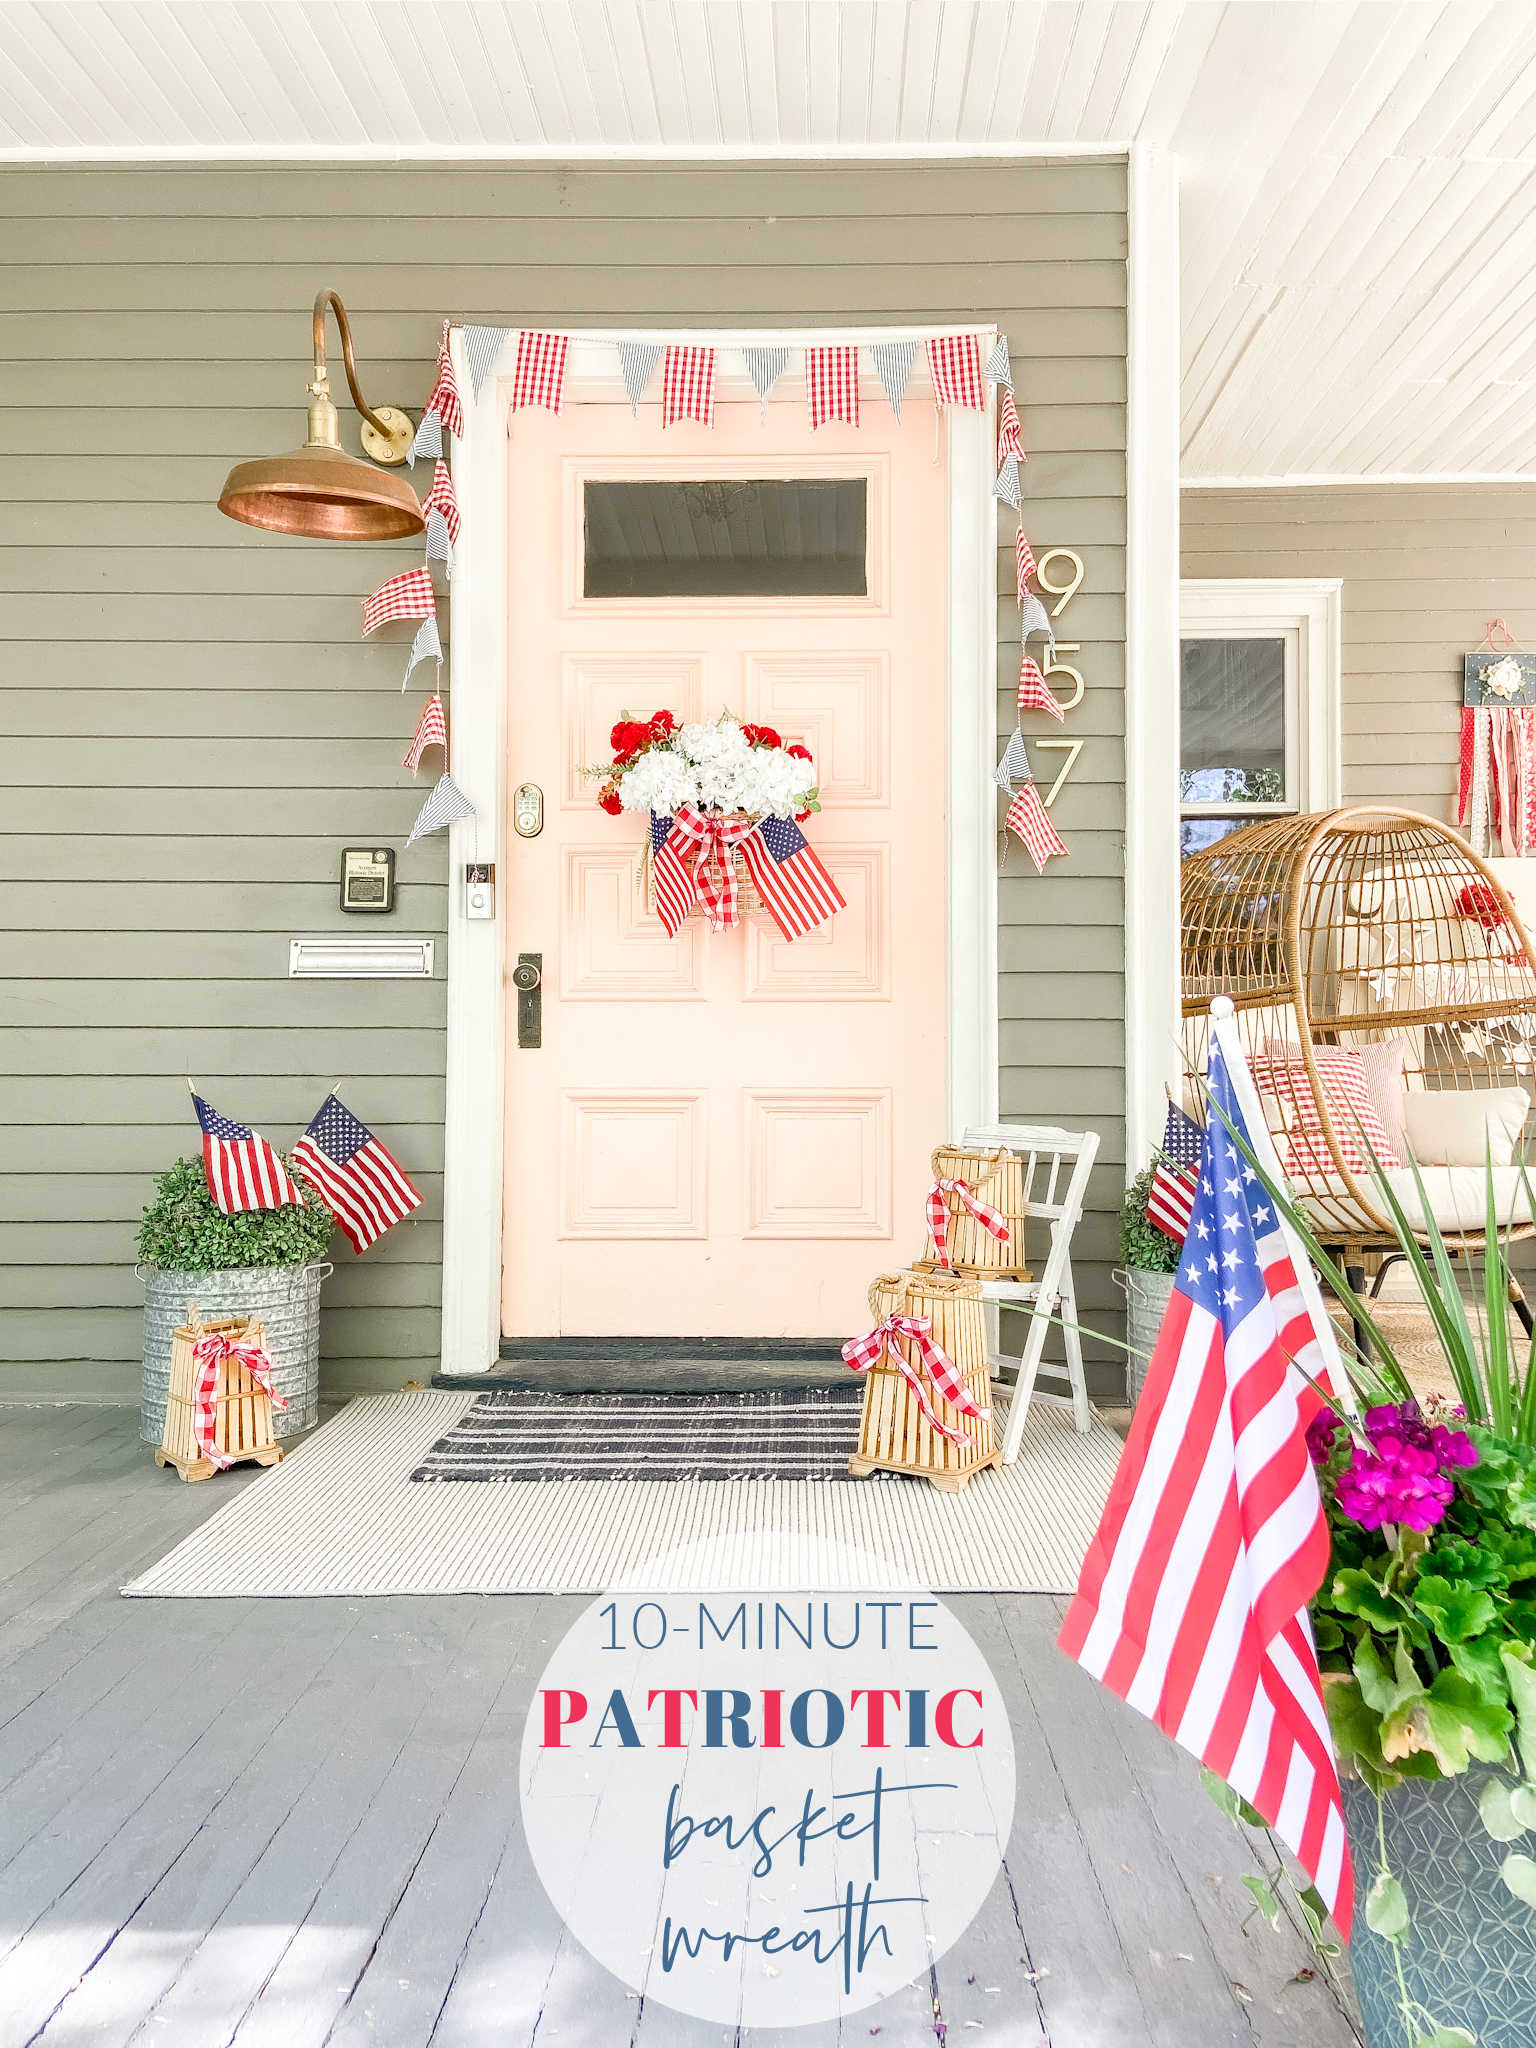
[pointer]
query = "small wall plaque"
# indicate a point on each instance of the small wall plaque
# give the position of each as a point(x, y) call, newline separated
point(1503, 677)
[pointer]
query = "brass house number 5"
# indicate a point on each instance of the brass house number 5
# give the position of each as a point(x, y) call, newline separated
point(1063, 590)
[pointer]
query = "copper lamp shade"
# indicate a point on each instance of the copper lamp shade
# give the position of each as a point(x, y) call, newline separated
point(319, 490)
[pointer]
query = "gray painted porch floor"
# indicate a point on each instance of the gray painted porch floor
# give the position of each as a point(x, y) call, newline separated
point(282, 1824)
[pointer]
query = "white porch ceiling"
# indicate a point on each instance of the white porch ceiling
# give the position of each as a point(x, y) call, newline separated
point(1359, 251)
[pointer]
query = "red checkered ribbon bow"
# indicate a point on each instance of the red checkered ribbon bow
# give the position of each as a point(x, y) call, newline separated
point(208, 1354)
point(989, 1218)
point(863, 1353)
point(712, 862)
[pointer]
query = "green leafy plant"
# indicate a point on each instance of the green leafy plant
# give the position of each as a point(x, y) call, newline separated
point(184, 1232)
point(1142, 1244)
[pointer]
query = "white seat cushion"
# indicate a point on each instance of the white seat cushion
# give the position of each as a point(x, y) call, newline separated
point(1457, 1196)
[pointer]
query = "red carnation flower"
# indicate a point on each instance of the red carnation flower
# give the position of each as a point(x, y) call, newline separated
point(610, 800)
point(629, 736)
point(663, 725)
point(1479, 904)
point(800, 753)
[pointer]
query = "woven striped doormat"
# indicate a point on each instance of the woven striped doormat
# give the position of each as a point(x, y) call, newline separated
point(797, 1433)
point(341, 1515)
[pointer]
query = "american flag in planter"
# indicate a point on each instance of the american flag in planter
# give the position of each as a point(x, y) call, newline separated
point(796, 889)
point(1172, 1194)
point(243, 1171)
point(363, 1186)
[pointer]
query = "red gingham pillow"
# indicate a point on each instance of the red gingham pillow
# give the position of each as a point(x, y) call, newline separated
point(1283, 1073)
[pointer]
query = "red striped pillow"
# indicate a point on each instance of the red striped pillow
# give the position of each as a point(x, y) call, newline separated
point(1351, 1112)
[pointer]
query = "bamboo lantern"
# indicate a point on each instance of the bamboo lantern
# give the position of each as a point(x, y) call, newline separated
point(894, 1433)
point(996, 1178)
point(242, 1407)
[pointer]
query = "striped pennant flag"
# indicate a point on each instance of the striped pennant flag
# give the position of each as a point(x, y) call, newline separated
point(445, 806)
point(688, 385)
point(1024, 562)
point(539, 378)
point(439, 546)
point(1192, 1601)
point(1027, 820)
point(431, 731)
point(428, 441)
point(637, 360)
point(998, 367)
point(893, 362)
point(832, 384)
point(1034, 618)
point(425, 647)
point(364, 1188)
point(1014, 766)
point(482, 345)
point(242, 1170)
point(407, 596)
point(675, 891)
point(954, 363)
point(797, 892)
point(444, 400)
point(765, 366)
point(1034, 691)
point(441, 499)
point(1007, 486)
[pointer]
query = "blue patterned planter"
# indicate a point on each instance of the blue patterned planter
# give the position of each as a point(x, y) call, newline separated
point(1470, 1955)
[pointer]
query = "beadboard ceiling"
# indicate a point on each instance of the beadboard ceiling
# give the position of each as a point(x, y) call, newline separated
point(1359, 250)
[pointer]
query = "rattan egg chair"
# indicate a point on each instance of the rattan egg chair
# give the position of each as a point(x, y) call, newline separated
point(1379, 932)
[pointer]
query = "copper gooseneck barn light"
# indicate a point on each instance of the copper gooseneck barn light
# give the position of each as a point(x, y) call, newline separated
point(319, 490)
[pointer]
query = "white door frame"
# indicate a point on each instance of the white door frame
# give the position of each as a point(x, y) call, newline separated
point(473, 1138)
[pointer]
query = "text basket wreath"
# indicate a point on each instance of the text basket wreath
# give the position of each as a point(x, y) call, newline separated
point(719, 792)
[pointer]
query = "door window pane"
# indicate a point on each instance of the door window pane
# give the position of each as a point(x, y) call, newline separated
point(1232, 711)
point(726, 537)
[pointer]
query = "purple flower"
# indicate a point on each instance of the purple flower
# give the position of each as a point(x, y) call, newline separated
point(1321, 1431)
point(1403, 1478)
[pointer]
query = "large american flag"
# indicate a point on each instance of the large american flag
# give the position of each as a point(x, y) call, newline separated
point(242, 1170)
point(797, 892)
point(363, 1187)
point(1172, 1193)
point(1192, 1603)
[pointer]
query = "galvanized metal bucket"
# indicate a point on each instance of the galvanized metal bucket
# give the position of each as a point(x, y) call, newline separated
point(287, 1298)
point(1146, 1302)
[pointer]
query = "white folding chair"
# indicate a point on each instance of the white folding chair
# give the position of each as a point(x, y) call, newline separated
point(1056, 1169)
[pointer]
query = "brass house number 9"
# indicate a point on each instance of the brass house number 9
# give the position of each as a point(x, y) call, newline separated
point(1063, 590)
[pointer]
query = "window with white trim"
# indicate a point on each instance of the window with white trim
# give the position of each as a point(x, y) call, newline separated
point(1259, 732)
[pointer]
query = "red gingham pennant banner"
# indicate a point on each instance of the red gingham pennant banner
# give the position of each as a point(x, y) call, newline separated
point(832, 384)
point(407, 596)
point(444, 400)
point(1027, 820)
point(431, 731)
point(989, 1218)
point(441, 499)
point(539, 378)
point(954, 363)
point(688, 385)
point(1010, 435)
point(209, 1354)
point(1034, 691)
point(886, 1339)
point(1024, 561)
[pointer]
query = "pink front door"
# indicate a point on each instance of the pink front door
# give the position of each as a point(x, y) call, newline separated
point(724, 1134)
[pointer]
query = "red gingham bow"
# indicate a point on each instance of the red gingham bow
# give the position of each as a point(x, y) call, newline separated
point(712, 861)
point(861, 1353)
point(989, 1218)
point(208, 1354)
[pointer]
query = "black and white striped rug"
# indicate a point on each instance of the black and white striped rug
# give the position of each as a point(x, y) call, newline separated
point(794, 1433)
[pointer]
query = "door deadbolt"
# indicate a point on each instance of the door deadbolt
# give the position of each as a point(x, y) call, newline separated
point(528, 980)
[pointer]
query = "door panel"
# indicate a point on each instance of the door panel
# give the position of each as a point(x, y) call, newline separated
point(724, 1134)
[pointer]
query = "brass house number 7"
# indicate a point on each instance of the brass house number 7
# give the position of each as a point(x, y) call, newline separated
point(1063, 591)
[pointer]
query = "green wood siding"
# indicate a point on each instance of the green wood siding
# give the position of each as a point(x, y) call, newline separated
point(193, 728)
point(1425, 567)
